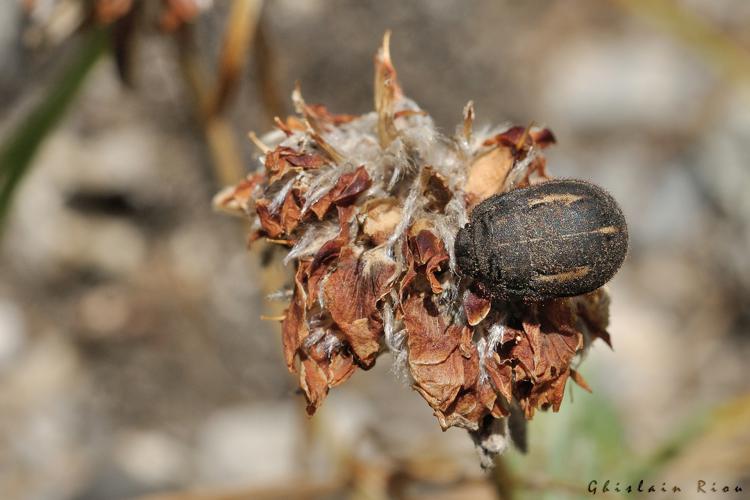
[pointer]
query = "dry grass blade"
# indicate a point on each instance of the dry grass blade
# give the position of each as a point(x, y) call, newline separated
point(225, 154)
point(242, 23)
point(266, 69)
point(17, 151)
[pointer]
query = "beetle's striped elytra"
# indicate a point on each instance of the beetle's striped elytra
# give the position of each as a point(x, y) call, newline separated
point(559, 238)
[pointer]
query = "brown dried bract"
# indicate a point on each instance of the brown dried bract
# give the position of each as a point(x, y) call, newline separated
point(330, 369)
point(345, 192)
point(282, 159)
point(436, 191)
point(434, 358)
point(476, 399)
point(593, 309)
point(522, 138)
point(351, 294)
point(487, 174)
point(543, 352)
point(387, 91)
point(477, 305)
point(289, 126)
point(279, 224)
point(294, 329)
point(237, 200)
point(321, 115)
point(579, 380)
point(313, 381)
point(426, 256)
point(269, 222)
point(543, 137)
point(501, 375)
point(320, 368)
point(382, 215)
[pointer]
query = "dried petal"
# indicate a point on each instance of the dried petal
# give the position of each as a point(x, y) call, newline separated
point(290, 213)
point(328, 253)
point(487, 173)
point(346, 190)
point(466, 412)
point(382, 217)
point(236, 199)
point(428, 252)
point(544, 395)
point(476, 399)
point(294, 329)
point(543, 137)
point(340, 368)
point(313, 381)
point(387, 91)
point(510, 138)
point(435, 361)
point(476, 307)
point(436, 191)
point(543, 352)
point(470, 364)
point(501, 376)
point(269, 222)
point(579, 380)
point(351, 294)
point(280, 160)
point(593, 310)
point(321, 115)
point(350, 186)
point(430, 340)
point(439, 384)
point(547, 347)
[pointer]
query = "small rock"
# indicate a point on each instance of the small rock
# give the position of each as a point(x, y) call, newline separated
point(614, 83)
point(12, 333)
point(257, 445)
point(151, 458)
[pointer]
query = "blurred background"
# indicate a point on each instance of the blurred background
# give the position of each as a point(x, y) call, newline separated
point(133, 360)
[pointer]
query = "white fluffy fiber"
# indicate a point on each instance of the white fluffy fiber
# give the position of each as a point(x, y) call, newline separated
point(395, 171)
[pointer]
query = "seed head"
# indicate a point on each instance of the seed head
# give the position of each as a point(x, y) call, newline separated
point(368, 208)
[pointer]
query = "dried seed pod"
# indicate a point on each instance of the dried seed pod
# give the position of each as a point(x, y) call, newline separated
point(558, 238)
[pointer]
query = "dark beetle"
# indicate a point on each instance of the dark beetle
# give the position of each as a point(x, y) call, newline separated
point(554, 239)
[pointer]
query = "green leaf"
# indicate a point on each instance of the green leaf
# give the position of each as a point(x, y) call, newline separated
point(18, 149)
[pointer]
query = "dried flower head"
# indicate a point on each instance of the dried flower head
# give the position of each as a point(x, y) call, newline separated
point(368, 208)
